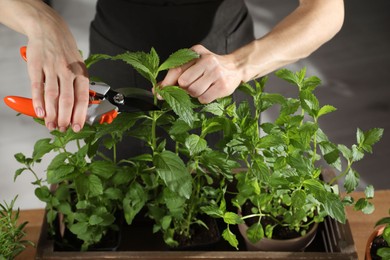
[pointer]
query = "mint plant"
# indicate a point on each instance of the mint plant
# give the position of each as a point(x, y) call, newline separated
point(189, 176)
point(11, 232)
point(281, 184)
point(384, 251)
point(87, 188)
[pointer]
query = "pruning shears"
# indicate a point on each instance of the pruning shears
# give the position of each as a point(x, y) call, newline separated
point(104, 105)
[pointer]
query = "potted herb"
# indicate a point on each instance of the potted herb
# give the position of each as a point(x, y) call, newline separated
point(378, 244)
point(186, 170)
point(11, 232)
point(281, 193)
point(88, 191)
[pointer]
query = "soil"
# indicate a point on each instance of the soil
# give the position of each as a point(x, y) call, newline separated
point(201, 238)
point(377, 243)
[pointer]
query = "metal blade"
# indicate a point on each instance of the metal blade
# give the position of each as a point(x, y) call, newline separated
point(136, 103)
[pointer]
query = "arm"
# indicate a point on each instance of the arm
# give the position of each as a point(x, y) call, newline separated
point(212, 76)
point(59, 80)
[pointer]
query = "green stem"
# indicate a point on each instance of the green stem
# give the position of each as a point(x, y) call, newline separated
point(154, 124)
point(342, 174)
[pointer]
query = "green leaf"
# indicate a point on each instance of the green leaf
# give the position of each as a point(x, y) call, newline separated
point(351, 180)
point(42, 147)
point(367, 139)
point(20, 158)
point(326, 110)
point(175, 204)
point(213, 211)
point(43, 194)
point(95, 220)
point(384, 252)
point(65, 208)
point(94, 58)
point(104, 169)
point(345, 151)
point(180, 102)
point(173, 172)
point(95, 186)
point(369, 208)
point(298, 198)
point(178, 58)
point(113, 193)
point(230, 237)
point(214, 108)
point(287, 75)
point(195, 144)
point(142, 62)
point(19, 172)
point(369, 192)
point(255, 232)
point(334, 207)
point(59, 174)
point(79, 228)
point(310, 103)
point(383, 221)
point(232, 218)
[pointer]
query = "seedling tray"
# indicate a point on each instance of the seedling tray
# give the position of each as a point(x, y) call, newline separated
point(333, 241)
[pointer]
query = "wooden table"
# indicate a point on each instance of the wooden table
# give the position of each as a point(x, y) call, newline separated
point(361, 224)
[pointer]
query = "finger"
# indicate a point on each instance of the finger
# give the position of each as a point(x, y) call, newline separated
point(202, 84)
point(211, 94)
point(65, 103)
point(51, 101)
point(174, 74)
point(190, 75)
point(81, 97)
point(37, 88)
point(217, 90)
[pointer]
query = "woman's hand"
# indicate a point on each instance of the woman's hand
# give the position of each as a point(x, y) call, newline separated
point(207, 78)
point(59, 80)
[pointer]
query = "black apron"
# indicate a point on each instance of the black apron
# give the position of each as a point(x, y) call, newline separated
point(167, 25)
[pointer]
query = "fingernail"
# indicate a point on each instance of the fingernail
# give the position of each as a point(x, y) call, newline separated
point(39, 112)
point(76, 128)
point(62, 129)
point(51, 126)
point(159, 97)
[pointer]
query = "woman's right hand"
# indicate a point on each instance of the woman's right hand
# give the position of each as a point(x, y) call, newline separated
point(59, 79)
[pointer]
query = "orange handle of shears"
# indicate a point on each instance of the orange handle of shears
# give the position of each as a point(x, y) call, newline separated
point(21, 104)
point(108, 117)
point(23, 52)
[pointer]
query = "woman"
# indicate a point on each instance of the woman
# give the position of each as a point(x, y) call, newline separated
point(219, 30)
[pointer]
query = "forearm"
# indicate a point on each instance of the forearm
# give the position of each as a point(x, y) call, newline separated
point(32, 18)
point(309, 26)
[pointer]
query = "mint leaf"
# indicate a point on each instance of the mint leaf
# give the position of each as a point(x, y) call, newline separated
point(232, 218)
point(179, 101)
point(326, 110)
point(178, 58)
point(230, 237)
point(94, 58)
point(134, 201)
point(41, 148)
point(367, 139)
point(95, 186)
point(369, 192)
point(173, 172)
point(195, 144)
point(104, 169)
point(351, 180)
point(255, 232)
point(143, 63)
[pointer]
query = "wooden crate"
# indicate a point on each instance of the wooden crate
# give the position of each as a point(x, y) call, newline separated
point(333, 241)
